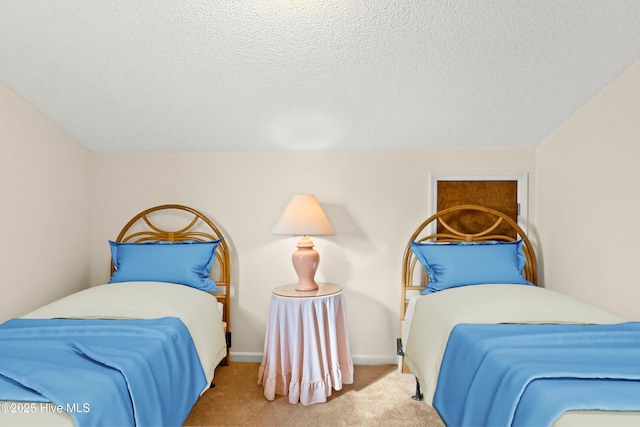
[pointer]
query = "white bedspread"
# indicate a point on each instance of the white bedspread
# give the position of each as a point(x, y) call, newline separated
point(436, 314)
point(198, 310)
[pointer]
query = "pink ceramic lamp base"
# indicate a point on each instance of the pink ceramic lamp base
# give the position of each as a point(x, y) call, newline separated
point(305, 261)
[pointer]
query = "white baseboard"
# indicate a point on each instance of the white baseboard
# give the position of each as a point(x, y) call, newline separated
point(245, 357)
point(374, 360)
point(357, 360)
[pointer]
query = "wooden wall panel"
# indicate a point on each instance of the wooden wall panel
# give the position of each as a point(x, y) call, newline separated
point(499, 195)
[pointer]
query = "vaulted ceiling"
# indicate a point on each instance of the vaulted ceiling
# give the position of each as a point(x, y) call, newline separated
point(200, 75)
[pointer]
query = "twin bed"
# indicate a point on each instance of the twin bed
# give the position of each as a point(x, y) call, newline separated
point(489, 347)
point(139, 350)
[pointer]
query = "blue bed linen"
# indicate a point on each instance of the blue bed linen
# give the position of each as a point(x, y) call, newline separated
point(504, 375)
point(104, 372)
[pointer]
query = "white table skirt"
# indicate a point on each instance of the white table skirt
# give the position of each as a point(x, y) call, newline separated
point(306, 349)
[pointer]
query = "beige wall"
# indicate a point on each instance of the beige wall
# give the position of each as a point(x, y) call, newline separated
point(588, 200)
point(375, 200)
point(44, 185)
point(61, 204)
point(582, 209)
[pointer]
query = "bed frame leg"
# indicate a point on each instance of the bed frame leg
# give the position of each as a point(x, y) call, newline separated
point(418, 396)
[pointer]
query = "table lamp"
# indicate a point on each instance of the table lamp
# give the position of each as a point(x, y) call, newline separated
point(304, 216)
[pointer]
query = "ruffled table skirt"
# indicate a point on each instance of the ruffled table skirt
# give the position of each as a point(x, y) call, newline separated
point(306, 349)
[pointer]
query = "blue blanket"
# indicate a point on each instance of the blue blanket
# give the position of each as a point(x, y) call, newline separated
point(503, 375)
point(103, 372)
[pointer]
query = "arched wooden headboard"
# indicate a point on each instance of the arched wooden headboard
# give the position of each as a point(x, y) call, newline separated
point(428, 231)
point(194, 226)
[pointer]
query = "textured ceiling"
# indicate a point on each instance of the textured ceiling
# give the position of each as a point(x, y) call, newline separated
point(138, 75)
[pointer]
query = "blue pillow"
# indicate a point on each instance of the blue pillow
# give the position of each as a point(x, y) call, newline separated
point(451, 265)
point(187, 263)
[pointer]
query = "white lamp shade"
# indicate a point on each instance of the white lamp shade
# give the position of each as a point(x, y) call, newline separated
point(304, 216)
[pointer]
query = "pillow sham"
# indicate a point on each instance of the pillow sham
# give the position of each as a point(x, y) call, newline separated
point(186, 263)
point(451, 265)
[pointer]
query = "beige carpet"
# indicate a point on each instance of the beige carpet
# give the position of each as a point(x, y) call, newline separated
point(379, 396)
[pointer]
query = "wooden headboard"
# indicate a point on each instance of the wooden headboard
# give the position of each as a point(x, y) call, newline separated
point(144, 227)
point(438, 228)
